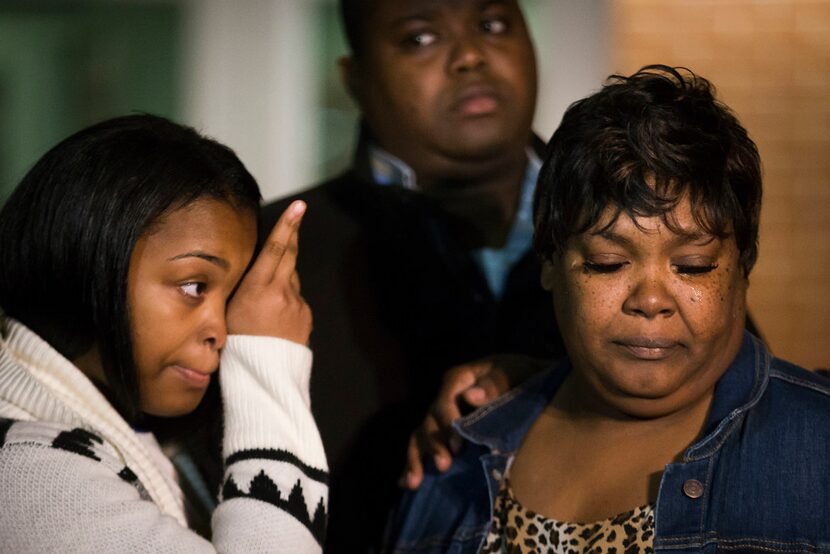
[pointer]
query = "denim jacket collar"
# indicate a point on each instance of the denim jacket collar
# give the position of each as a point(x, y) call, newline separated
point(502, 425)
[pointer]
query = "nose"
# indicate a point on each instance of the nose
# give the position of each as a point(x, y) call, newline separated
point(650, 297)
point(467, 54)
point(214, 328)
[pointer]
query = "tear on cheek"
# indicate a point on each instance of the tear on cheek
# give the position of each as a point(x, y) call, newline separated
point(696, 296)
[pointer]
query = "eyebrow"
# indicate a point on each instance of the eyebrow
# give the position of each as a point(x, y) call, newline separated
point(487, 3)
point(429, 12)
point(419, 14)
point(681, 238)
point(215, 260)
point(611, 236)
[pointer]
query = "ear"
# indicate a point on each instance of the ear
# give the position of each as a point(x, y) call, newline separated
point(547, 276)
point(350, 76)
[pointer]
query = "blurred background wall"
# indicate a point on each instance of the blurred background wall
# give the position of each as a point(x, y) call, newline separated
point(770, 60)
point(261, 76)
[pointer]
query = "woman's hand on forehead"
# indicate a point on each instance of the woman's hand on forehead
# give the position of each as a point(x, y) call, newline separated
point(268, 300)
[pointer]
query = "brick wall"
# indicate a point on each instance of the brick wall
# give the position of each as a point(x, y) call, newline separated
point(770, 61)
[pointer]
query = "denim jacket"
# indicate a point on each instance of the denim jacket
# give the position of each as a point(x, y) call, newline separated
point(757, 479)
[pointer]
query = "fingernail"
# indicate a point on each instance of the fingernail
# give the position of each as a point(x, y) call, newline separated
point(298, 207)
point(476, 394)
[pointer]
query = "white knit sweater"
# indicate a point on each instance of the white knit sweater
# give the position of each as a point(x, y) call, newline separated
point(75, 477)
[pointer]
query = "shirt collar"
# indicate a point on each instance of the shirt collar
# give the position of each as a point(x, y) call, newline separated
point(390, 170)
point(502, 425)
point(496, 263)
point(738, 390)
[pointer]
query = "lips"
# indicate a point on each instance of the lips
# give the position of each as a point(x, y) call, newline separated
point(648, 348)
point(194, 377)
point(477, 100)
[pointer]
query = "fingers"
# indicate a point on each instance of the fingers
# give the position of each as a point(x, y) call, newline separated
point(475, 396)
point(487, 388)
point(457, 382)
point(268, 301)
point(281, 240)
point(476, 383)
point(294, 281)
point(286, 270)
point(446, 410)
point(414, 471)
point(427, 440)
point(435, 441)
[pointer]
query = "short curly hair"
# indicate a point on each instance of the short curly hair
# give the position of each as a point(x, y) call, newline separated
point(640, 145)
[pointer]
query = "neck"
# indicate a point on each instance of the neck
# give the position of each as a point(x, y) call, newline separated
point(482, 204)
point(577, 403)
point(90, 365)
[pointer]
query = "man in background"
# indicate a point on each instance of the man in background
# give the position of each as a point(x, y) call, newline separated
point(418, 258)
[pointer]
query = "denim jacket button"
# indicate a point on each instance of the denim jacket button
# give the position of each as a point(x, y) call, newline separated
point(693, 488)
point(496, 474)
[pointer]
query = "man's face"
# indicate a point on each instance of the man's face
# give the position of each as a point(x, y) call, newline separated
point(446, 83)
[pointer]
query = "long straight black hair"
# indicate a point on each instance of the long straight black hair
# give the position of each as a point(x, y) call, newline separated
point(68, 231)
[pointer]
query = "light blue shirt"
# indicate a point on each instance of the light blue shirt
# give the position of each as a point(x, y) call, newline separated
point(495, 263)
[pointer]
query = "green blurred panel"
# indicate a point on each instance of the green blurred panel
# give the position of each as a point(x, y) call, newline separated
point(64, 66)
point(337, 115)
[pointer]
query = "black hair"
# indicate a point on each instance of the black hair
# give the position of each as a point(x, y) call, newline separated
point(641, 144)
point(68, 231)
point(354, 15)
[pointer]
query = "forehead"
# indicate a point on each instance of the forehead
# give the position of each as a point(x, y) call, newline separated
point(205, 224)
point(684, 222)
point(382, 13)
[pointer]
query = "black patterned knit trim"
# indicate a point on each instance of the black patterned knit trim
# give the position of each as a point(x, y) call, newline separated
point(280, 456)
point(77, 441)
point(80, 441)
point(264, 489)
point(127, 475)
point(5, 425)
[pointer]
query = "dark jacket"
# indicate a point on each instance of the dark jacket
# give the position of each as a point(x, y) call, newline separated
point(760, 468)
point(397, 301)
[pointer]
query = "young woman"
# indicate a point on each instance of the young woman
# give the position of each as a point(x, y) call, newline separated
point(127, 281)
point(668, 428)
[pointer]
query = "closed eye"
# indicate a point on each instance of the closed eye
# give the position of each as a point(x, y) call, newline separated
point(695, 269)
point(592, 267)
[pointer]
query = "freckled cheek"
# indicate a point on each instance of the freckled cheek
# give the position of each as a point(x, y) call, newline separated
point(710, 303)
point(727, 290)
point(695, 295)
point(593, 301)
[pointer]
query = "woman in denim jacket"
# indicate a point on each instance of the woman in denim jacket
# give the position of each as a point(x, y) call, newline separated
point(668, 428)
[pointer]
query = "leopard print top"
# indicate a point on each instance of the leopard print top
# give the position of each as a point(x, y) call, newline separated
point(516, 530)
